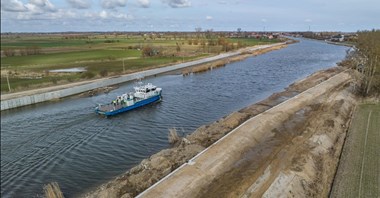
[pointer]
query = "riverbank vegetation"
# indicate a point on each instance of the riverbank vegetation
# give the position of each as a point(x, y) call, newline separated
point(52, 190)
point(27, 59)
point(358, 170)
point(221, 63)
point(365, 58)
point(368, 46)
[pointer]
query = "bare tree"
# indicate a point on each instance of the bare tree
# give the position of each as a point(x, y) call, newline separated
point(368, 48)
point(178, 48)
point(198, 31)
point(9, 52)
point(239, 32)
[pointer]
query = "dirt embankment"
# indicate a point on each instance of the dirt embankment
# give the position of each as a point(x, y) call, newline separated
point(159, 165)
point(304, 152)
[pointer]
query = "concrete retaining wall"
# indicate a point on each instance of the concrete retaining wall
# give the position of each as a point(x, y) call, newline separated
point(41, 97)
point(220, 157)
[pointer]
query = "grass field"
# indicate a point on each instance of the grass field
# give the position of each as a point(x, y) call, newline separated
point(359, 169)
point(250, 41)
point(97, 53)
point(66, 58)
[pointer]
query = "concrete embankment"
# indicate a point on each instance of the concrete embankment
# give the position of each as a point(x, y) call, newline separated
point(9, 101)
point(201, 171)
point(159, 165)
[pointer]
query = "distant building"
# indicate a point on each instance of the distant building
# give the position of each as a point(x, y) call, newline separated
point(337, 38)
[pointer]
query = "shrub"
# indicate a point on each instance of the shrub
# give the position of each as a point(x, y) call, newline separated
point(52, 190)
point(103, 73)
point(54, 80)
point(173, 136)
point(9, 52)
point(87, 75)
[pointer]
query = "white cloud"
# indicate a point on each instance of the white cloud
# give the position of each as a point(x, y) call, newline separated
point(264, 20)
point(39, 15)
point(173, 25)
point(144, 3)
point(94, 16)
point(39, 3)
point(122, 16)
point(80, 4)
point(40, 6)
point(111, 4)
point(35, 9)
point(177, 3)
point(62, 14)
point(13, 6)
point(208, 17)
point(103, 14)
point(308, 20)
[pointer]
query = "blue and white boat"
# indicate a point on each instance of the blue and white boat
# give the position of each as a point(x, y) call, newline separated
point(143, 95)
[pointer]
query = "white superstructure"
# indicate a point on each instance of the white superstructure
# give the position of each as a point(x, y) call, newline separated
point(146, 91)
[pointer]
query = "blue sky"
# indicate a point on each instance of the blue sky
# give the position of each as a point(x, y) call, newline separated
point(186, 15)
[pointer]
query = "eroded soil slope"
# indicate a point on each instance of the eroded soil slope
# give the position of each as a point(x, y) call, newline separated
point(300, 159)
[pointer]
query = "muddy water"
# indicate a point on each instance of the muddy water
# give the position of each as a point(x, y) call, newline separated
point(65, 141)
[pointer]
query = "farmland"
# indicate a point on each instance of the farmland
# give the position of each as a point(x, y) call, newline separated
point(27, 58)
point(358, 172)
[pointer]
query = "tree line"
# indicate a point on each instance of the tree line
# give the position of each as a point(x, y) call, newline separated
point(32, 50)
point(366, 59)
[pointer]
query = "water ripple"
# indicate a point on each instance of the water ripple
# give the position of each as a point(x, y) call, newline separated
point(66, 142)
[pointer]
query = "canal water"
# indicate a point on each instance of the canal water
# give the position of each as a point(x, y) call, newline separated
point(66, 142)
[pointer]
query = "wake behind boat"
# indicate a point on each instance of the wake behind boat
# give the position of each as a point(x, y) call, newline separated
point(143, 95)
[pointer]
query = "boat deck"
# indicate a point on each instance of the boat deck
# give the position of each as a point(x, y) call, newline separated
point(110, 107)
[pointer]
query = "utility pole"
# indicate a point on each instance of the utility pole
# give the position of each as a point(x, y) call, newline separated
point(123, 66)
point(9, 86)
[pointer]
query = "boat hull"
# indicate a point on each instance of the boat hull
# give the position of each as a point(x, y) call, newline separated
point(128, 108)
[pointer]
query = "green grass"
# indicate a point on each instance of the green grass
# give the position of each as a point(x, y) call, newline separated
point(19, 43)
point(23, 83)
point(254, 41)
point(114, 67)
point(371, 167)
point(42, 60)
point(41, 43)
point(359, 168)
point(95, 54)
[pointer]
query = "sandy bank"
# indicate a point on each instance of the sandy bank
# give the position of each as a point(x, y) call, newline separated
point(161, 164)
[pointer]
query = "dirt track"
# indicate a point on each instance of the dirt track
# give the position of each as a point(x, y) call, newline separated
point(300, 153)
